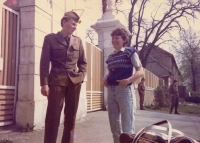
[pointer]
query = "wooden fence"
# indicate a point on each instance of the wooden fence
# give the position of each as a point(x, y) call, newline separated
point(151, 80)
point(94, 88)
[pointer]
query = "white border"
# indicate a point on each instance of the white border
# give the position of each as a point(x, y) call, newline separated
point(6, 123)
point(11, 10)
point(7, 87)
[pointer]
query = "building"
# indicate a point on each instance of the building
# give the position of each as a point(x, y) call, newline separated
point(24, 23)
point(163, 64)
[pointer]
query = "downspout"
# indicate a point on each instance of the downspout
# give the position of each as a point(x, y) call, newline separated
point(1, 59)
point(75, 8)
point(51, 3)
point(65, 5)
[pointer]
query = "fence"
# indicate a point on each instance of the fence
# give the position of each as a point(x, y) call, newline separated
point(94, 88)
point(151, 80)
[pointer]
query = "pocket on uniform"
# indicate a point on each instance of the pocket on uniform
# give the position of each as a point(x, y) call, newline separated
point(73, 52)
point(58, 51)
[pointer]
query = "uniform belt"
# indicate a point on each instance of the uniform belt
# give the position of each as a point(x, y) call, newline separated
point(64, 67)
point(69, 66)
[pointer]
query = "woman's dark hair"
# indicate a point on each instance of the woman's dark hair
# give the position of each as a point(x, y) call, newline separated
point(175, 81)
point(123, 33)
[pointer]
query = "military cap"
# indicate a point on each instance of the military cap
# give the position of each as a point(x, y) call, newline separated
point(72, 15)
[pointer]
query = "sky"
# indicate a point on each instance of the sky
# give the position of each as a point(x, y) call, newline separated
point(148, 10)
point(92, 12)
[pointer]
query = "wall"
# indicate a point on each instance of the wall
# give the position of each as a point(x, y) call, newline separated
point(151, 82)
point(148, 98)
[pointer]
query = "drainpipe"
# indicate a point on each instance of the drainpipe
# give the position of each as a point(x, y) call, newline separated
point(65, 5)
point(75, 8)
point(1, 59)
point(51, 3)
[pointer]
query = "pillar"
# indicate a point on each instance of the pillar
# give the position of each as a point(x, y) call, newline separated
point(104, 26)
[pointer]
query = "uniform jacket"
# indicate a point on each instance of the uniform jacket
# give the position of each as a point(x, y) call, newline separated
point(173, 89)
point(141, 88)
point(66, 61)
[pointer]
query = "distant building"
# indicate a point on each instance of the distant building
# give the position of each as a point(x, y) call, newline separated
point(163, 64)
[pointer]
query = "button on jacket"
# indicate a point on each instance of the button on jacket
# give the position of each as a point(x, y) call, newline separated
point(67, 61)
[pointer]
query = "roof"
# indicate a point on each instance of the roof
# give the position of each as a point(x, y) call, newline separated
point(157, 68)
point(169, 54)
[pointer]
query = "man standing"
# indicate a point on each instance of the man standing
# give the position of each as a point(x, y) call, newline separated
point(68, 67)
point(173, 90)
point(141, 89)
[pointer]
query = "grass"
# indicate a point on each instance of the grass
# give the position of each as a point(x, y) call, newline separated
point(190, 108)
point(5, 141)
point(185, 108)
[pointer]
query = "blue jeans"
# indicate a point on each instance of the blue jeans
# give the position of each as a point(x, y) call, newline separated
point(121, 111)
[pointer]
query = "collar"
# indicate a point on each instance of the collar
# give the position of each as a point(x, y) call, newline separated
point(65, 36)
point(122, 50)
point(62, 39)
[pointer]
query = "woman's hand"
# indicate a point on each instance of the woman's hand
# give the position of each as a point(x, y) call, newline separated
point(123, 82)
point(105, 81)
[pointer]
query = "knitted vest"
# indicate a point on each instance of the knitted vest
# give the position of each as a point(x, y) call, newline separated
point(120, 66)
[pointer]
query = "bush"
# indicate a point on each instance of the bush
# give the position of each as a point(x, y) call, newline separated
point(195, 97)
point(161, 97)
point(5, 141)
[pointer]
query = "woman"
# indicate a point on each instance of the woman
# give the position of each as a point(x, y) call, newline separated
point(121, 64)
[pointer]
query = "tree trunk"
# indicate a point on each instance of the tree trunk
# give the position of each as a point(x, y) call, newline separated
point(130, 25)
point(194, 85)
point(144, 54)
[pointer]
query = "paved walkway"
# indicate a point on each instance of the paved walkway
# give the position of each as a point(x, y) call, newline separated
point(95, 128)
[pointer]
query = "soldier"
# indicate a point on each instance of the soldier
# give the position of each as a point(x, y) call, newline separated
point(68, 68)
point(173, 90)
point(141, 89)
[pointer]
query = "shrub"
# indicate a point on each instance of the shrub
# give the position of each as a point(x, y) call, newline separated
point(5, 141)
point(195, 97)
point(161, 97)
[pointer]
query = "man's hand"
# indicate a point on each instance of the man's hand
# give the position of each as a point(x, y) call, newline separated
point(123, 82)
point(105, 82)
point(45, 90)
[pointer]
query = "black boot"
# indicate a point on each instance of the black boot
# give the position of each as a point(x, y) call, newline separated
point(176, 112)
point(170, 110)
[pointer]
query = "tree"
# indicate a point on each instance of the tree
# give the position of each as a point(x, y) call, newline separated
point(151, 32)
point(90, 36)
point(188, 57)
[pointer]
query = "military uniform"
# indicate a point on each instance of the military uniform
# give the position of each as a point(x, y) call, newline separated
point(141, 89)
point(68, 69)
point(173, 90)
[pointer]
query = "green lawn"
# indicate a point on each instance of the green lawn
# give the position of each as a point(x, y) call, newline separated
point(184, 108)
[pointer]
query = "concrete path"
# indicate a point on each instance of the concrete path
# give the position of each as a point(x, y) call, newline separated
point(95, 128)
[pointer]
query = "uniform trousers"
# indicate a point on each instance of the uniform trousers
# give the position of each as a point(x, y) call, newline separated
point(175, 102)
point(57, 96)
point(141, 99)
